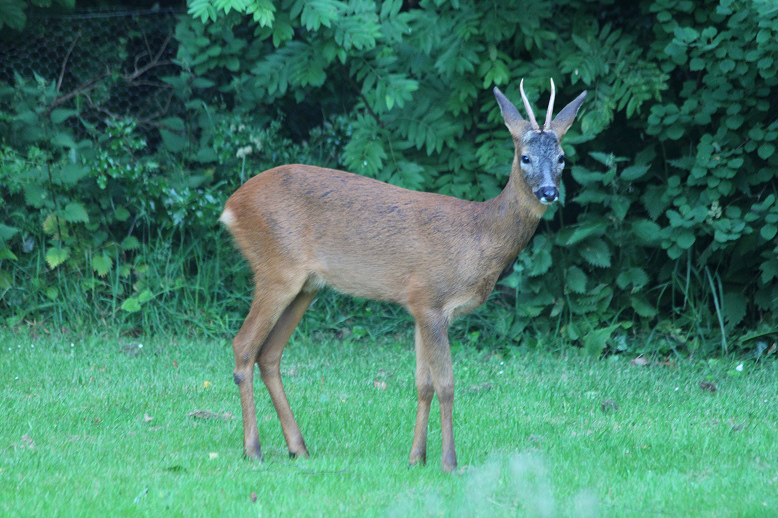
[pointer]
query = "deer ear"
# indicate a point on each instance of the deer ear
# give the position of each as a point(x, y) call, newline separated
point(565, 118)
point(516, 125)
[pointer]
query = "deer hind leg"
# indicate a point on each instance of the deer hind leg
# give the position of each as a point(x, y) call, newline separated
point(269, 362)
point(268, 305)
point(432, 329)
point(425, 391)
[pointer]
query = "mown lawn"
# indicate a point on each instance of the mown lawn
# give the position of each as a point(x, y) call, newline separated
point(96, 426)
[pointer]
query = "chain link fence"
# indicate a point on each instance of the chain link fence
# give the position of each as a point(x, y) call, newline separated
point(106, 64)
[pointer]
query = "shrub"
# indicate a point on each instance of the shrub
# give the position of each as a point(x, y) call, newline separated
point(667, 237)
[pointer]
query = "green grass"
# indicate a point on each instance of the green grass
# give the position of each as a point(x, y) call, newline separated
point(99, 426)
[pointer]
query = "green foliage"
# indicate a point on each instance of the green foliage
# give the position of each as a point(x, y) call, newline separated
point(12, 12)
point(666, 237)
point(673, 230)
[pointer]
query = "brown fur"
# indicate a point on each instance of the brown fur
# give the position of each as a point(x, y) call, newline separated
point(302, 227)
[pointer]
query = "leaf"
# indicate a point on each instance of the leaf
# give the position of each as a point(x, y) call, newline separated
point(63, 139)
point(202, 9)
point(121, 214)
point(145, 296)
point(575, 280)
point(174, 142)
point(102, 264)
point(364, 153)
point(655, 200)
point(130, 243)
point(57, 256)
point(7, 232)
point(586, 177)
point(766, 150)
point(572, 331)
point(634, 172)
point(734, 307)
point(620, 206)
point(585, 230)
point(201, 82)
point(36, 195)
point(52, 225)
point(173, 124)
point(594, 343)
point(131, 305)
point(70, 174)
point(769, 270)
point(6, 253)
point(636, 277)
point(606, 159)
point(74, 212)
point(642, 307)
point(596, 253)
point(768, 231)
point(320, 12)
point(541, 258)
point(13, 14)
point(684, 237)
point(696, 64)
point(675, 131)
point(60, 115)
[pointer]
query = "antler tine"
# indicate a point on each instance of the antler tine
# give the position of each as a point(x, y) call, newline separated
point(550, 111)
point(533, 123)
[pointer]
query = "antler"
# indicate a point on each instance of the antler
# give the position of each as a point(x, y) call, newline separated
point(550, 111)
point(533, 123)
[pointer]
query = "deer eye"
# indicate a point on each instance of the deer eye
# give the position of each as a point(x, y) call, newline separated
point(562, 159)
point(524, 159)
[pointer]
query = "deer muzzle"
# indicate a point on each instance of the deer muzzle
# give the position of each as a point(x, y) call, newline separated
point(547, 194)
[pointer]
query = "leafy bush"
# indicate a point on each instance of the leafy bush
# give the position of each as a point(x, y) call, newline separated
point(671, 230)
point(665, 239)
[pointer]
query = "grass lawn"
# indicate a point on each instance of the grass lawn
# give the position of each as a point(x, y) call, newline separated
point(100, 426)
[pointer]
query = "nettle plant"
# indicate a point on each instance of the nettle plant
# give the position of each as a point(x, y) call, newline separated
point(668, 237)
point(671, 224)
point(717, 199)
point(68, 208)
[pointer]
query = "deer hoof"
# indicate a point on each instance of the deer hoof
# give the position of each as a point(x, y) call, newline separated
point(448, 465)
point(294, 455)
point(418, 457)
point(254, 457)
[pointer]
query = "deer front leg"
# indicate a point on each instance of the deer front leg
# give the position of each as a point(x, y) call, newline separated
point(433, 329)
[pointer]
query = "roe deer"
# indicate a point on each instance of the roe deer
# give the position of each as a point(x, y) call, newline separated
point(302, 227)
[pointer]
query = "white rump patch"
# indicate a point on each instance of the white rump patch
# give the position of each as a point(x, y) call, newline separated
point(228, 218)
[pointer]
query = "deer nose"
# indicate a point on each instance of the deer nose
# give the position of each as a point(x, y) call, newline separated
point(548, 194)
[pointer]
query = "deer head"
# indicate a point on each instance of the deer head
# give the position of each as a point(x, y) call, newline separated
point(539, 158)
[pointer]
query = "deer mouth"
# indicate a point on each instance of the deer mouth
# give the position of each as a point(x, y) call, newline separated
point(547, 195)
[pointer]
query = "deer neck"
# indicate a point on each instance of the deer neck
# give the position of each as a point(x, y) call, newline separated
point(513, 215)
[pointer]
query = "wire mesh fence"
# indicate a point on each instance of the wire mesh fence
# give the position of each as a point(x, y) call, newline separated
point(106, 64)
